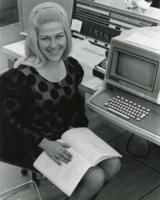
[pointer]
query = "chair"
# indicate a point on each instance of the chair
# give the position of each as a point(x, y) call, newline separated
point(24, 169)
point(25, 191)
point(11, 157)
point(36, 176)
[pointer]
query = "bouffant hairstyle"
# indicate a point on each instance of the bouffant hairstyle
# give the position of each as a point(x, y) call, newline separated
point(41, 14)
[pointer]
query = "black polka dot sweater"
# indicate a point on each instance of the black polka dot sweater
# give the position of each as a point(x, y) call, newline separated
point(33, 108)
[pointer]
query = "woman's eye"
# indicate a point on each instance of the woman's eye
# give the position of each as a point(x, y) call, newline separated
point(44, 38)
point(60, 36)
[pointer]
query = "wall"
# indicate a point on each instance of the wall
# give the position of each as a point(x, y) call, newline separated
point(8, 34)
point(9, 26)
point(27, 5)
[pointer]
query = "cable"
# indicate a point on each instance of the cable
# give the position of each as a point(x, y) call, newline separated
point(138, 155)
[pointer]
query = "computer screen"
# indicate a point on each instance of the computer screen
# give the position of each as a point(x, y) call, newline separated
point(25, 6)
point(134, 68)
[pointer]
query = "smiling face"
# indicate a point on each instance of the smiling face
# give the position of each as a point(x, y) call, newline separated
point(52, 40)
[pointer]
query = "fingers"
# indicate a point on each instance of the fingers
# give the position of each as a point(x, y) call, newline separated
point(61, 154)
point(65, 156)
point(61, 158)
point(65, 145)
point(64, 153)
point(56, 160)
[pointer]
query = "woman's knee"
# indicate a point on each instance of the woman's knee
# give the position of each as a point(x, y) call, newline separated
point(115, 164)
point(111, 167)
point(94, 179)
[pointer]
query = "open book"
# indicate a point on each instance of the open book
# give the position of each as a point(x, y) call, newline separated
point(87, 150)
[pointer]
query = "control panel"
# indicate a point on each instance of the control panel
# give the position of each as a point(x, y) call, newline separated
point(102, 21)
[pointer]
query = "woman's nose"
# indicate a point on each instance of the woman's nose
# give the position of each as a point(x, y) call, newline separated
point(53, 43)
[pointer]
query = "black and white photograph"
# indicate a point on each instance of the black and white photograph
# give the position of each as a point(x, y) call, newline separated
point(79, 99)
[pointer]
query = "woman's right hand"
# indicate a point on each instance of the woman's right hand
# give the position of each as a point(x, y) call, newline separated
point(56, 150)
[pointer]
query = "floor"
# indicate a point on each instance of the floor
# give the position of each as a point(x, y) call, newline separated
point(138, 179)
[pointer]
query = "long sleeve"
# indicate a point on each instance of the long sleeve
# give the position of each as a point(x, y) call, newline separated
point(79, 118)
point(17, 110)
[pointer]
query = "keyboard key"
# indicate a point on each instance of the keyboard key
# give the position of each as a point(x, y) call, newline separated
point(142, 116)
point(138, 119)
point(118, 113)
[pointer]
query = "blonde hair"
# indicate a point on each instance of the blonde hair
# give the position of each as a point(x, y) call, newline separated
point(41, 14)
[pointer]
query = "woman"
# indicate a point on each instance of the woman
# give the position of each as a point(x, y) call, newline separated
point(41, 99)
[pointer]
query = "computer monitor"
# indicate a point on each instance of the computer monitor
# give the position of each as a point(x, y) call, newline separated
point(25, 6)
point(134, 67)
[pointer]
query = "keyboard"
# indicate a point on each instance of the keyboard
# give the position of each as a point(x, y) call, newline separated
point(126, 108)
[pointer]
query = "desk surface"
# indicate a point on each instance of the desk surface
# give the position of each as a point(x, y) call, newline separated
point(87, 54)
point(148, 128)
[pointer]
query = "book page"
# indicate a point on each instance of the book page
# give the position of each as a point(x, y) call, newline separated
point(66, 176)
point(89, 145)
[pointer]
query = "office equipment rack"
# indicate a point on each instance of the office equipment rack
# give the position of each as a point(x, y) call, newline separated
point(103, 20)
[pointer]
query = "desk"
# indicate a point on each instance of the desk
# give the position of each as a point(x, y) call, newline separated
point(87, 54)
